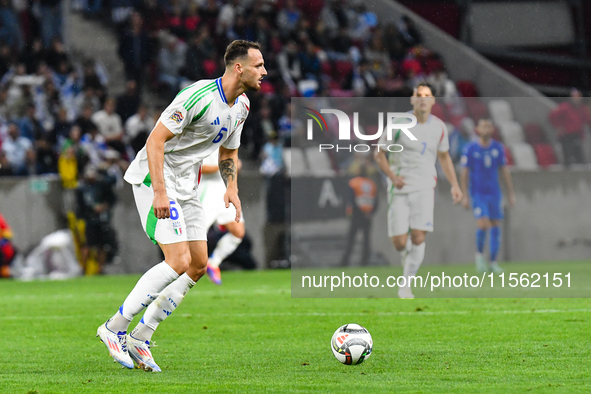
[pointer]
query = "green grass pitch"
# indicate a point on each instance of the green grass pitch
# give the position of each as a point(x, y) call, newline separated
point(250, 336)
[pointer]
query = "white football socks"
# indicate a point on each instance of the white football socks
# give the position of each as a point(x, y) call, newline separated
point(225, 247)
point(145, 291)
point(413, 261)
point(168, 300)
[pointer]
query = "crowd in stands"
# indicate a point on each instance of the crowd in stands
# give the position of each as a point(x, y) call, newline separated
point(53, 106)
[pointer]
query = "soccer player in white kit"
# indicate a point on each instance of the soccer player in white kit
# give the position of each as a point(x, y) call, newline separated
point(206, 116)
point(411, 182)
point(211, 191)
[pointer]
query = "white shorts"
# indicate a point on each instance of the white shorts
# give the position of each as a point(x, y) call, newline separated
point(215, 208)
point(186, 222)
point(410, 211)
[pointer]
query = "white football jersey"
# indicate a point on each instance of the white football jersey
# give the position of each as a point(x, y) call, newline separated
point(212, 184)
point(416, 162)
point(201, 121)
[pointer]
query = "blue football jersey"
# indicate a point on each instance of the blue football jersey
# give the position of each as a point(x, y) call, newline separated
point(484, 164)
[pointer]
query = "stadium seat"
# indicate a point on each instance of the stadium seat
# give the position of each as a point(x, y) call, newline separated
point(467, 88)
point(468, 127)
point(534, 134)
point(545, 155)
point(500, 111)
point(295, 162)
point(496, 134)
point(524, 156)
point(511, 131)
point(440, 111)
point(319, 161)
point(209, 67)
point(341, 70)
point(476, 108)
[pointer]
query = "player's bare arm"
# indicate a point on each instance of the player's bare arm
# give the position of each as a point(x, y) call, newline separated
point(464, 177)
point(382, 161)
point(229, 172)
point(155, 151)
point(509, 184)
point(447, 166)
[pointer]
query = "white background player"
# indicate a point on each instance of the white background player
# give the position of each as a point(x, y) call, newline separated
point(211, 192)
point(411, 182)
point(206, 116)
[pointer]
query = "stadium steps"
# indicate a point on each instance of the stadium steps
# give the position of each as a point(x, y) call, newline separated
point(85, 38)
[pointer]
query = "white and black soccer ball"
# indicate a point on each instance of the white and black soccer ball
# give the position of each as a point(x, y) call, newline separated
point(351, 344)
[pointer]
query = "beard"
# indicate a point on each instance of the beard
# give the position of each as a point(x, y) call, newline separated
point(252, 85)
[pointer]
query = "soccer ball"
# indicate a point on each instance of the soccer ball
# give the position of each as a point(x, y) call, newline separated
point(351, 344)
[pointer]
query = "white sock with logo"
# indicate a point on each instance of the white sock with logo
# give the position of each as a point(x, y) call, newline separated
point(168, 300)
point(145, 291)
point(225, 247)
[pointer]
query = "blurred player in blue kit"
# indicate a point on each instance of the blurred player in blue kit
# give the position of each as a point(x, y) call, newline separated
point(481, 162)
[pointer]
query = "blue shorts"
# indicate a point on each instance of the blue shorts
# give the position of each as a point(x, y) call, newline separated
point(487, 206)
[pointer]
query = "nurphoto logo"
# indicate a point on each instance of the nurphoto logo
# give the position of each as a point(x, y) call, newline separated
point(395, 122)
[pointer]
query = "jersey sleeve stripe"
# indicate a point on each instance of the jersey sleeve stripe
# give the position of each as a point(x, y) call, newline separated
point(200, 114)
point(189, 105)
point(198, 92)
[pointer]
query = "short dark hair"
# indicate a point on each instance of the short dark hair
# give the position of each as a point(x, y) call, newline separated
point(424, 84)
point(238, 49)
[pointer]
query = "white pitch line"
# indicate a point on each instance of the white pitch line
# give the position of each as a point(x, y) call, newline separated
point(323, 314)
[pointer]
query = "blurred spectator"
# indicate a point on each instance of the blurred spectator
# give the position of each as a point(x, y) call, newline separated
point(92, 8)
point(5, 167)
point(363, 22)
point(362, 81)
point(227, 15)
point(56, 53)
point(393, 42)
point(287, 19)
point(361, 206)
point(377, 56)
point(4, 108)
point(134, 48)
point(51, 20)
point(46, 157)
point(442, 85)
point(121, 11)
point(61, 128)
point(570, 118)
point(200, 48)
point(95, 200)
point(171, 60)
point(110, 125)
point(309, 62)
point(33, 55)
point(138, 127)
point(19, 151)
point(408, 32)
point(84, 121)
point(10, 30)
point(7, 248)
point(334, 17)
point(128, 102)
point(93, 79)
point(272, 157)
point(289, 63)
point(29, 126)
point(87, 98)
point(341, 45)
point(192, 20)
